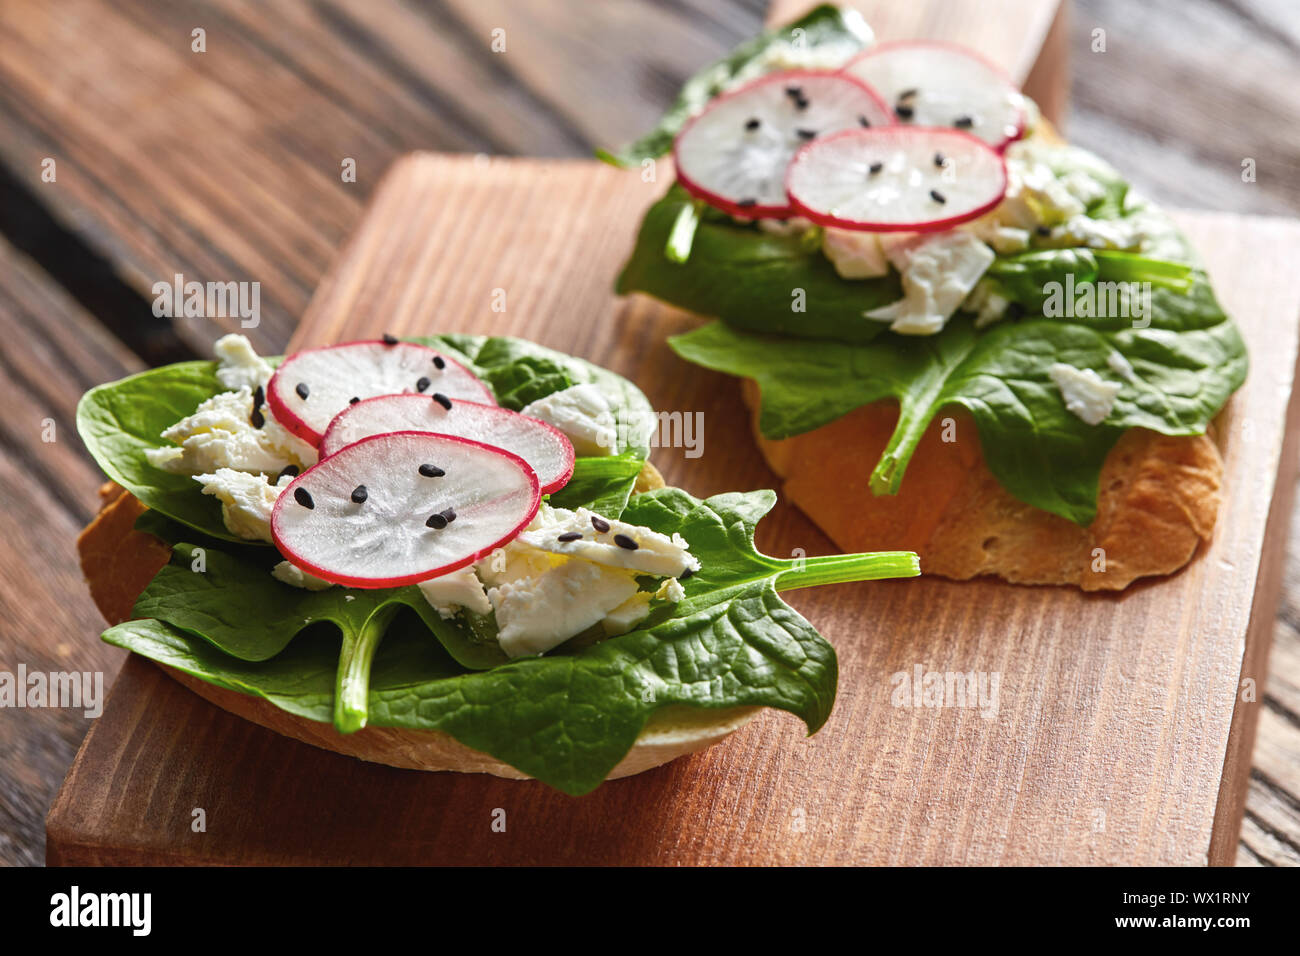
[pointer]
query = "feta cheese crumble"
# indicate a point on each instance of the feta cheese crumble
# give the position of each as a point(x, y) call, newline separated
point(545, 591)
point(855, 254)
point(938, 273)
point(583, 413)
point(1086, 394)
point(295, 576)
point(451, 592)
point(246, 501)
point(239, 366)
point(220, 434)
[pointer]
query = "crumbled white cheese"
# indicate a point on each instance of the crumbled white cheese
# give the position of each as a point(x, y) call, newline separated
point(937, 274)
point(546, 591)
point(584, 414)
point(1086, 393)
point(458, 589)
point(1126, 234)
point(246, 501)
point(653, 552)
point(295, 576)
point(1034, 196)
point(1005, 240)
point(1120, 366)
point(238, 365)
point(535, 615)
point(220, 434)
point(988, 305)
point(855, 254)
point(1083, 187)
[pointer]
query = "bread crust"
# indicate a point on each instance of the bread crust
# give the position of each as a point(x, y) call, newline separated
point(119, 561)
point(1158, 497)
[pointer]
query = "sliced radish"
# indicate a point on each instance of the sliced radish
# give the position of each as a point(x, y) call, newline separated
point(312, 386)
point(896, 179)
point(734, 154)
point(545, 448)
point(941, 84)
point(403, 507)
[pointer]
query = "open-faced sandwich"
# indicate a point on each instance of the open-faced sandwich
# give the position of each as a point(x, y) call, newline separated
point(957, 334)
point(448, 553)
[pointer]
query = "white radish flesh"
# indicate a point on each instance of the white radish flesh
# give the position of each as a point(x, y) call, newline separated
point(545, 448)
point(311, 387)
point(403, 507)
point(734, 154)
point(896, 179)
point(940, 84)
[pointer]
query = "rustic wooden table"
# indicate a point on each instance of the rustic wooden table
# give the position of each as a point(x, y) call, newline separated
point(225, 164)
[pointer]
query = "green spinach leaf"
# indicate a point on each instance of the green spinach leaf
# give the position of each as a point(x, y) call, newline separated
point(1039, 451)
point(566, 719)
point(753, 279)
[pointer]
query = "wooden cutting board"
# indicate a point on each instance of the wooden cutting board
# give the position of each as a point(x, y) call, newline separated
point(1120, 735)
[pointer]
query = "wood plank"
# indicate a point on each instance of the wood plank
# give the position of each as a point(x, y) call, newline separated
point(50, 352)
point(1116, 716)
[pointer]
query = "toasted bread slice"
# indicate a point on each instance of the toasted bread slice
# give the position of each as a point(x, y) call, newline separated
point(119, 561)
point(1157, 502)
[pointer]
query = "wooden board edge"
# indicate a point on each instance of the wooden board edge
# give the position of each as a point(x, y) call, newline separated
point(1225, 833)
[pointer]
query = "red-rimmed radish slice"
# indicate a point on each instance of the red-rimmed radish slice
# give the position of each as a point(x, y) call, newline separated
point(942, 84)
point(734, 154)
point(545, 448)
point(312, 386)
point(896, 179)
point(403, 507)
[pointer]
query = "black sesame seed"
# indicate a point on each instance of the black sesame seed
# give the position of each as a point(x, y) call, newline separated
point(442, 400)
point(623, 541)
point(685, 574)
point(436, 521)
point(938, 196)
point(353, 400)
point(422, 385)
point(801, 102)
point(290, 470)
point(302, 390)
point(599, 523)
point(570, 536)
point(963, 122)
point(257, 419)
point(431, 471)
point(746, 203)
point(904, 112)
point(876, 167)
point(389, 339)
point(864, 122)
point(449, 514)
point(439, 362)
point(1043, 230)
point(806, 133)
point(259, 396)
point(939, 160)
point(794, 92)
point(301, 496)
point(359, 494)
point(752, 123)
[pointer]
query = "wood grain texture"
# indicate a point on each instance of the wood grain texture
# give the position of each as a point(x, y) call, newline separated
point(50, 352)
point(1115, 717)
point(147, 143)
